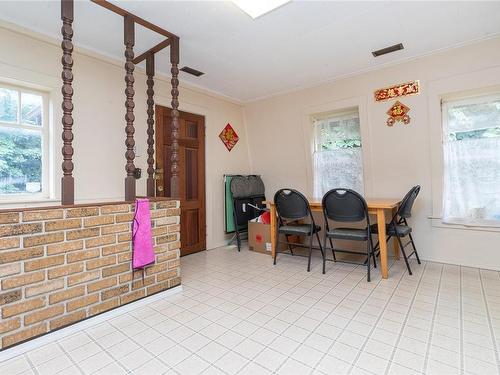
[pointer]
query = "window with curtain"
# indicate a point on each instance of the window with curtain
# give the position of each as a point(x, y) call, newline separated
point(23, 143)
point(337, 152)
point(471, 146)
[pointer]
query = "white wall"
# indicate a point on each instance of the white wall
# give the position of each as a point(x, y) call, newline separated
point(395, 158)
point(99, 121)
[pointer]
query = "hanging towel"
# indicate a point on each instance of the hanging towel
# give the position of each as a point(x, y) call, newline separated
point(142, 245)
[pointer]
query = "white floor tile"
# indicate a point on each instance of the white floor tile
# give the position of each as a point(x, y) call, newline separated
point(122, 349)
point(319, 342)
point(82, 352)
point(153, 366)
point(54, 365)
point(174, 355)
point(212, 352)
point(159, 345)
point(231, 362)
point(332, 365)
point(372, 363)
point(111, 369)
point(44, 354)
point(270, 359)
point(254, 369)
point(193, 365)
point(14, 366)
point(307, 355)
point(296, 333)
point(292, 367)
point(135, 359)
point(249, 348)
point(284, 345)
point(74, 341)
point(94, 363)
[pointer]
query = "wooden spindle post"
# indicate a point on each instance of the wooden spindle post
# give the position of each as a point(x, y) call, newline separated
point(67, 180)
point(150, 72)
point(129, 40)
point(174, 60)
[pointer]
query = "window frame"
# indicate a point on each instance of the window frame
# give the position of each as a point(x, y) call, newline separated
point(445, 103)
point(46, 143)
point(341, 113)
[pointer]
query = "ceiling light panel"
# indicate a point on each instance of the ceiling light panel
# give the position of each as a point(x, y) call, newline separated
point(256, 8)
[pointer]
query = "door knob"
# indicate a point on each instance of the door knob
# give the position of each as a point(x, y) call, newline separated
point(160, 188)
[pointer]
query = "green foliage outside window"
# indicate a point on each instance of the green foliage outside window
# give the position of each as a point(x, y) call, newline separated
point(340, 135)
point(20, 159)
point(20, 147)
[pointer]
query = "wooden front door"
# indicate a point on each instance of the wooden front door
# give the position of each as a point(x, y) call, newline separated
point(191, 173)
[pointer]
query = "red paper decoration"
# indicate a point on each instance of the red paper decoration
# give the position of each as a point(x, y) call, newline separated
point(398, 112)
point(229, 137)
point(409, 88)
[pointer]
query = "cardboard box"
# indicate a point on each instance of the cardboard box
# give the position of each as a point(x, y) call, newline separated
point(259, 237)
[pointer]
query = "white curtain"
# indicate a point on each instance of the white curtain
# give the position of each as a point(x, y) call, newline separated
point(337, 155)
point(338, 169)
point(471, 145)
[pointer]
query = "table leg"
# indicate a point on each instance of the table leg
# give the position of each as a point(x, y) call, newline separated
point(382, 241)
point(395, 241)
point(273, 229)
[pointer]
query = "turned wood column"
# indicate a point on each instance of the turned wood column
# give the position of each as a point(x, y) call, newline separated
point(174, 60)
point(129, 40)
point(150, 72)
point(67, 181)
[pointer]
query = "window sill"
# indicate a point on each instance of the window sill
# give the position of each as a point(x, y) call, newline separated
point(27, 202)
point(437, 222)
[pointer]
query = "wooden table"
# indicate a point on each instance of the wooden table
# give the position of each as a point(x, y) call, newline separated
point(376, 206)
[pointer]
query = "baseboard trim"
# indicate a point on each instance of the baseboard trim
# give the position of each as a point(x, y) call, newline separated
point(50, 337)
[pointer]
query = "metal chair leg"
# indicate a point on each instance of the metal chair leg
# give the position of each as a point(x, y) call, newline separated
point(414, 248)
point(310, 253)
point(368, 251)
point(404, 254)
point(238, 240)
point(373, 254)
point(322, 251)
point(333, 252)
point(289, 246)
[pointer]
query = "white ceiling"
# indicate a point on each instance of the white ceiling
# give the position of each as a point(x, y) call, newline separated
point(300, 44)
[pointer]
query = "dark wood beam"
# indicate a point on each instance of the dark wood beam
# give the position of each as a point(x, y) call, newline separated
point(174, 70)
point(67, 181)
point(150, 72)
point(150, 51)
point(140, 21)
point(129, 41)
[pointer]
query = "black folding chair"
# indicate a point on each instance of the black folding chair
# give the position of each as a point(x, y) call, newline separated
point(244, 210)
point(291, 207)
point(248, 194)
point(399, 228)
point(347, 206)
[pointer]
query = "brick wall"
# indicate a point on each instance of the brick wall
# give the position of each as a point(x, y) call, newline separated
point(61, 265)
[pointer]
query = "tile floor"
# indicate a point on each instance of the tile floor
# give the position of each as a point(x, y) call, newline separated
point(237, 314)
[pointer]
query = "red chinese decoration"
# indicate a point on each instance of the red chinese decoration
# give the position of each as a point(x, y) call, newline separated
point(229, 137)
point(409, 88)
point(398, 112)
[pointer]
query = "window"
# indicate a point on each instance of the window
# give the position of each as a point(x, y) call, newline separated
point(23, 143)
point(337, 152)
point(471, 145)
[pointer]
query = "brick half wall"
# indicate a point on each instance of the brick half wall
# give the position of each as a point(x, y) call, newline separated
point(61, 265)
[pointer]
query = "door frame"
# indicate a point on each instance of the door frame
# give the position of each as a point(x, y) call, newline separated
point(189, 111)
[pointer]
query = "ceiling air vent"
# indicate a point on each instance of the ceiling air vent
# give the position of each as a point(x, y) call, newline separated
point(192, 71)
point(386, 50)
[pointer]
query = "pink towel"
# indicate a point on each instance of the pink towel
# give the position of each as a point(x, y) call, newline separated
point(143, 253)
